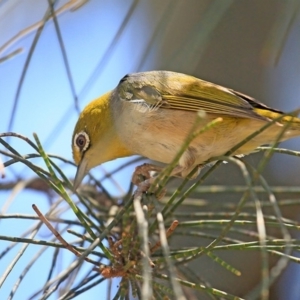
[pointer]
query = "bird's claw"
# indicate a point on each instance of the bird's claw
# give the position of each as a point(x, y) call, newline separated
point(144, 172)
point(144, 176)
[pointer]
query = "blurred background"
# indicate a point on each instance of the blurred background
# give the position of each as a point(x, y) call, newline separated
point(51, 67)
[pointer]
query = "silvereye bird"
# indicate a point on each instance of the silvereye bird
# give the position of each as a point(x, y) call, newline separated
point(151, 114)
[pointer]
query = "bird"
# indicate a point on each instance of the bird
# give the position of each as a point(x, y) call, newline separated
point(151, 113)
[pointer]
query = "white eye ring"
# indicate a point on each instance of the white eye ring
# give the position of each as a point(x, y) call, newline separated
point(81, 141)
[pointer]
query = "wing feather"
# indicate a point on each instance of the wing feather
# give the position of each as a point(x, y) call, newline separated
point(170, 90)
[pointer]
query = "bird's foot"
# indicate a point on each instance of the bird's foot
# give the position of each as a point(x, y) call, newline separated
point(144, 172)
point(144, 176)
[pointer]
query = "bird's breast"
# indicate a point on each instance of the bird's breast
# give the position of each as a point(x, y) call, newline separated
point(159, 134)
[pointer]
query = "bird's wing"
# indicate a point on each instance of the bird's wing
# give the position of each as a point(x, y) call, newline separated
point(169, 90)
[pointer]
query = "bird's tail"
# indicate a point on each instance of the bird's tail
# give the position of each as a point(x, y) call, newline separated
point(291, 121)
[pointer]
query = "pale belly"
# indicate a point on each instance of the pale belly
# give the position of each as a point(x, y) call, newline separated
point(159, 135)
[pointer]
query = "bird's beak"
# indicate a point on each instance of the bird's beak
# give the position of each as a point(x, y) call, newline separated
point(80, 173)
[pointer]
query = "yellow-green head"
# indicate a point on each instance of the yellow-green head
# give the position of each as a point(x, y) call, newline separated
point(94, 138)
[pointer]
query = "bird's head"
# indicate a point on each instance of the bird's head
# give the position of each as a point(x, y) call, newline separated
point(95, 139)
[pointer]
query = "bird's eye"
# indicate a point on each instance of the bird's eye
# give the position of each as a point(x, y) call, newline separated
point(82, 141)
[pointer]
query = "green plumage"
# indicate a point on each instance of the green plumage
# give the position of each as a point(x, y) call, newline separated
point(170, 90)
